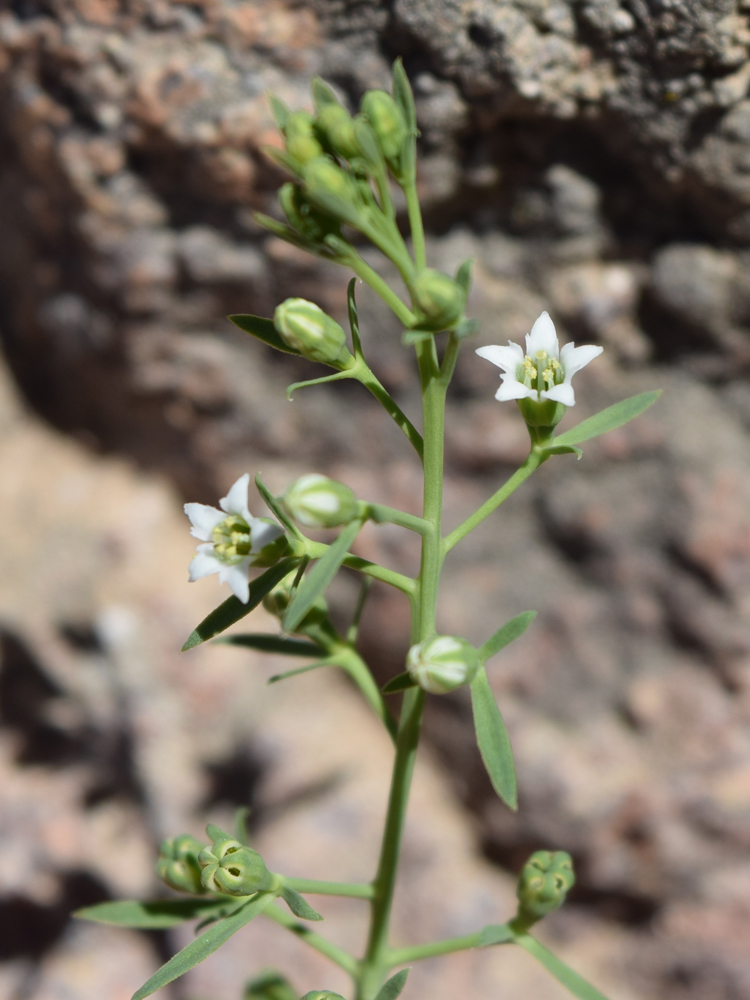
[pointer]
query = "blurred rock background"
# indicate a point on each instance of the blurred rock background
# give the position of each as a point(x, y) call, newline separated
point(594, 158)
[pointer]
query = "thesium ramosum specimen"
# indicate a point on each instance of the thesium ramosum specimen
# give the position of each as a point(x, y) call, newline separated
point(344, 169)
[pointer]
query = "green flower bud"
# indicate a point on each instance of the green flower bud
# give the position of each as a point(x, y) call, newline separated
point(333, 190)
point(230, 867)
point(387, 121)
point(178, 865)
point(305, 327)
point(304, 217)
point(319, 502)
point(300, 137)
point(438, 299)
point(322, 995)
point(543, 885)
point(336, 127)
point(278, 600)
point(442, 663)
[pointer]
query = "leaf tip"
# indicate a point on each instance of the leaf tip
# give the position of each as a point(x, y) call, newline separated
point(192, 640)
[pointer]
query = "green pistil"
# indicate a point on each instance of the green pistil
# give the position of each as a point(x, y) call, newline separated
point(231, 540)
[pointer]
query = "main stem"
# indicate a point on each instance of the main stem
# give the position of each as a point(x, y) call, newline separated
point(377, 960)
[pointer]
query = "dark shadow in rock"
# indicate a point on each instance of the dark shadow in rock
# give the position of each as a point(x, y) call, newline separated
point(82, 636)
point(26, 693)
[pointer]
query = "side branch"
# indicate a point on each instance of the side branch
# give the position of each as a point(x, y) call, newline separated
point(337, 955)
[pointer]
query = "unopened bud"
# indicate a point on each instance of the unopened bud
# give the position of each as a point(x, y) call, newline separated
point(333, 190)
point(230, 867)
point(319, 502)
point(322, 995)
point(300, 138)
point(442, 663)
point(278, 600)
point(438, 299)
point(336, 126)
point(178, 865)
point(387, 121)
point(543, 885)
point(305, 327)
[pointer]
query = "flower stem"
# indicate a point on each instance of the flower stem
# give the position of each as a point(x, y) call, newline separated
point(363, 374)
point(403, 956)
point(378, 285)
point(415, 223)
point(532, 463)
point(357, 890)
point(337, 955)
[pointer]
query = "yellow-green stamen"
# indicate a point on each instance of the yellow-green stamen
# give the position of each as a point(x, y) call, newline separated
point(231, 540)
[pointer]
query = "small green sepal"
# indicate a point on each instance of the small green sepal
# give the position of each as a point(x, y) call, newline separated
point(394, 986)
point(298, 904)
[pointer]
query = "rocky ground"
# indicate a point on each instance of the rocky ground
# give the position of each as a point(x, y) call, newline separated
point(594, 159)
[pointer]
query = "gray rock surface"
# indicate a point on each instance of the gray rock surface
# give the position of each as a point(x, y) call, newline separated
point(593, 157)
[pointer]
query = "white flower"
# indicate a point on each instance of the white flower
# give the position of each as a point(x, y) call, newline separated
point(233, 538)
point(545, 370)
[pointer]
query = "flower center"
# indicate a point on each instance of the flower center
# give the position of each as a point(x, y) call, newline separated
point(231, 540)
point(540, 372)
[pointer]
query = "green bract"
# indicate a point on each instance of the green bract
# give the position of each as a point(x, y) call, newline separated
point(438, 300)
point(230, 867)
point(178, 865)
point(543, 885)
point(306, 328)
point(442, 663)
point(319, 502)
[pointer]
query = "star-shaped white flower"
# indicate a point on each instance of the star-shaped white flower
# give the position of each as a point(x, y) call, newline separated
point(232, 538)
point(545, 370)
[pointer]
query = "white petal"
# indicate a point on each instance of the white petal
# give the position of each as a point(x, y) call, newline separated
point(235, 502)
point(574, 358)
point(204, 563)
point(203, 519)
point(513, 389)
point(236, 577)
point(560, 393)
point(542, 337)
point(262, 533)
point(508, 358)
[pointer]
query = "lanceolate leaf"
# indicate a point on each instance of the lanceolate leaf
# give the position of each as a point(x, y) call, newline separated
point(399, 683)
point(463, 275)
point(493, 740)
point(495, 934)
point(353, 317)
point(274, 644)
point(562, 972)
point(204, 945)
point(302, 670)
point(279, 110)
point(505, 635)
point(402, 94)
point(263, 329)
point(275, 507)
point(323, 94)
point(155, 915)
point(299, 905)
point(607, 420)
point(317, 580)
point(232, 610)
point(393, 987)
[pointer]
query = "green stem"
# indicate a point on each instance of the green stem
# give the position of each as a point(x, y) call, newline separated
point(433, 409)
point(378, 285)
point(377, 572)
point(532, 463)
point(403, 956)
point(416, 224)
point(382, 514)
point(359, 672)
point(357, 890)
point(363, 374)
point(337, 955)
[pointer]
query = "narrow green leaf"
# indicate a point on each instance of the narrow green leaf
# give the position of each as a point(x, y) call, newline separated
point(153, 915)
point(354, 317)
point(463, 275)
point(323, 94)
point(495, 934)
point(276, 508)
point(403, 95)
point(301, 670)
point(263, 329)
point(205, 945)
point(317, 580)
point(336, 377)
point(279, 110)
point(493, 740)
point(576, 984)
point(232, 610)
point(508, 633)
point(608, 420)
point(299, 905)
point(274, 644)
point(399, 683)
point(285, 232)
point(282, 159)
point(393, 987)
point(563, 449)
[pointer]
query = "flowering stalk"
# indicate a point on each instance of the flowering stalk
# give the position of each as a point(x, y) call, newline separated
point(343, 167)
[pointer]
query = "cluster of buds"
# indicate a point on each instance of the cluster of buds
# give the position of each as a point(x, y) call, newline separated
point(442, 663)
point(225, 866)
point(542, 887)
point(341, 165)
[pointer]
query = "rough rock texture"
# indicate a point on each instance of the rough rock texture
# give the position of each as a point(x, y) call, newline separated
point(594, 158)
